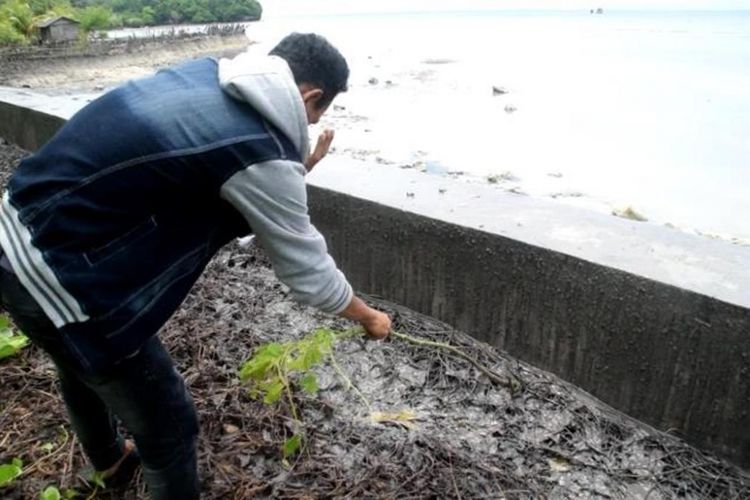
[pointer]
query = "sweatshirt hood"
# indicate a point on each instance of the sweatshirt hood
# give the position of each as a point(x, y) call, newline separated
point(266, 83)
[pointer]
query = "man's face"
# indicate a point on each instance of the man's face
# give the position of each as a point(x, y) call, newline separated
point(314, 113)
point(311, 96)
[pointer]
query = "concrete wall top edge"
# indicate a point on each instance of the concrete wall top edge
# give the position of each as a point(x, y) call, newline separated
point(63, 106)
point(714, 268)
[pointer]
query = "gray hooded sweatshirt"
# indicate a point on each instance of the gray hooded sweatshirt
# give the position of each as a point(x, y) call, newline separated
point(272, 195)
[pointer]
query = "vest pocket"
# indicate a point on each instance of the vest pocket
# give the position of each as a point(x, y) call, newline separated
point(120, 243)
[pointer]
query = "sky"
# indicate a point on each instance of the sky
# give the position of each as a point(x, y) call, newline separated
point(353, 6)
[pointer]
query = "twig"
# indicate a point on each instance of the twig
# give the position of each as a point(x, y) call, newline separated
point(511, 383)
point(348, 381)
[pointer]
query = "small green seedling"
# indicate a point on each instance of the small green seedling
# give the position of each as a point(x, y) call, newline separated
point(8, 472)
point(97, 479)
point(276, 367)
point(10, 342)
point(52, 493)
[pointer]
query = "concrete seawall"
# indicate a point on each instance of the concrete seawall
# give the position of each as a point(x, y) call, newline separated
point(654, 322)
point(25, 126)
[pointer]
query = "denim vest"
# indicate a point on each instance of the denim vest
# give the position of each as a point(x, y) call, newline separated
point(123, 203)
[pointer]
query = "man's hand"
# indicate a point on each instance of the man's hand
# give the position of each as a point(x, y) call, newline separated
point(321, 149)
point(377, 324)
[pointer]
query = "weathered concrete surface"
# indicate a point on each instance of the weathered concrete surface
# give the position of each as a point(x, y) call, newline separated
point(29, 119)
point(652, 321)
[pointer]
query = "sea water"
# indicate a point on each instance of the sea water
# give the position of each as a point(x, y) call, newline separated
point(643, 109)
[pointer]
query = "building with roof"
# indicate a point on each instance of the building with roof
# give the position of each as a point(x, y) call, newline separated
point(59, 29)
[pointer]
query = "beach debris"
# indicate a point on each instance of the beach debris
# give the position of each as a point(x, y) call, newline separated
point(383, 161)
point(230, 429)
point(389, 82)
point(628, 212)
point(438, 61)
point(338, 107)
point(497, 90)
point(403, 418)
point(442, 190)
point(506, 176)
point(373, 81)
point(409, 194)
point(409, 165)
point(567, 194)
point(557, 175)
point(517, 190)
point(510, 109)
point(559, 464)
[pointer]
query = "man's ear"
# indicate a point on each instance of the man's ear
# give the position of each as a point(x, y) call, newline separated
point(311, 95)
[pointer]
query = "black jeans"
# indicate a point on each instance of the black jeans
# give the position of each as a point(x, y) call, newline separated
point(144, 391)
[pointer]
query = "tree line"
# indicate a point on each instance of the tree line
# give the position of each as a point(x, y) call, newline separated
point(19, 18)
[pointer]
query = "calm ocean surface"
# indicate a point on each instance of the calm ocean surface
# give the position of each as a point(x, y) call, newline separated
point(649, 109)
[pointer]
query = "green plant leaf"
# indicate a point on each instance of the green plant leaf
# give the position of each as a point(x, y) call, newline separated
point(97, 478)
point(292, 445)
point(8, 472)
point(273, 392)
point(311, 357)
point(69, 494)
point(10, 342)
point(258, 366)
point(50, 493)
point(309, 383)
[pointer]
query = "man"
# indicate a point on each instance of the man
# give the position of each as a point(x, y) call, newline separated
point(107, 227)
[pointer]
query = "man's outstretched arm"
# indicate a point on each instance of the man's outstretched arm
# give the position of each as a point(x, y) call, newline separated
point(377, 324)
point(273, 198)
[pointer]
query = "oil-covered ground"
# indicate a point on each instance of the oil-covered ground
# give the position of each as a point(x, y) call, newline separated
point(466, 437)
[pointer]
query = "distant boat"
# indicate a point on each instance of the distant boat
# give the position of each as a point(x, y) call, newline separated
point(597, 11)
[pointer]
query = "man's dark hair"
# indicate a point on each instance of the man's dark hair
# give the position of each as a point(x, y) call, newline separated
point(313, 60)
